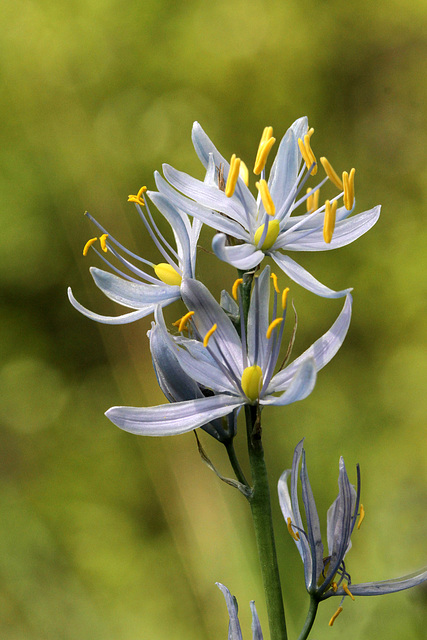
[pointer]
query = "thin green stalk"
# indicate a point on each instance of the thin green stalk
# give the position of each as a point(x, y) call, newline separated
point(263, 524)
point(311, 615)
point(235, 463)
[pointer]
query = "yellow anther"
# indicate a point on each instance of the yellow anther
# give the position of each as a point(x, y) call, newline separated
point(329, 222)
point(272, 326)
point(312, 201)
point(307, 152)
point(167, 274)
point(334, 587)
point(182, 322)
point(244, 173)
point(348, 182)
point(138, 199)
point(233, 175)
point(335, 616)
point(310, 132)
point(285, 297)
point(88, 245)
point(331, 173)
point(262, 155)
point(266, 135)
point(252, 382)
point(347, 590)
point(103, 242)
point(275, 285)
point(235, 287)
point(361, 516)
point(270, 236)
point(292, 533)
point(208, 335)
point(267, 201)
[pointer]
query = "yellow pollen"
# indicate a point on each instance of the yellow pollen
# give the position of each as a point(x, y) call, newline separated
point(312, 201)
point(307, 152)
point(244, 173)
point(292, 533)
point(347, 590)
point(329, 223)
point(335, 616)
point(267, 201)
point(235, 287)
point(252, 382)
point(266, 135)
point(208, 335)
point(331, 173)
point(138, 199)
point(182, 322)
point(285, 297)
point(270, 236)
point(272, 326)
point(167, 274)
point(334, 587)
point(262, 155)
point(88, 245)
point(233, 175)
point(103, 243)
point(348, 182)
point(361, 516)
point(275, 285)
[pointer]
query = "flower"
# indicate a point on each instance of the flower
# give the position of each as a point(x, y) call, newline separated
point(328, 576)
point(234, 630)
point(133, 287)
point(237, 369)
point(250, 228)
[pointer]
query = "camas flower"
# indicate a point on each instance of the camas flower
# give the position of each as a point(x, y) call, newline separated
point(250, 228)
point(237, 369)
point(327, 576)
point(133, 287)
point(234, 630)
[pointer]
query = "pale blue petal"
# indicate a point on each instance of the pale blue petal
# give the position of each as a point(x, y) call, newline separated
point(284, 171)
point(234, 630)
point(256, 626)
point(123, 319)
point(301, 386)
point(258, 319)
point(172, 419)
point(133, 294)
point(386, 586)
point(313, 525)
point(241, 256)
point(302, 277)
point(300, 127)
point(322, 351)
point(229, 305)
point(208, 374)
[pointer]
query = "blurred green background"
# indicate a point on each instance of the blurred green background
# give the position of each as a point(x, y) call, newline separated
point(104, 535)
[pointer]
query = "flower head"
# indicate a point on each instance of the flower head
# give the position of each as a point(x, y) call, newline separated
point(133, 287)
point(251, 228)
point(234, 630)
point(235, 369)
point(325, 573)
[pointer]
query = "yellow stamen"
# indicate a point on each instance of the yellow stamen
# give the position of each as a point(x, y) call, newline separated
point(138, 199)
point(272, 326)
point(361, 516)
point(167, 274)
point(252, 382)
point(208, 335)
point(270, 236)
point(267, 201)
point(334, 587)
point(266, 135)
point(292, 533)
point(244, 173)
point(103, 243)
point(348, 182)
point(235, 287)
point(233, 175)
point(284, 297)
point(262, 155)
point(275, 285)
point(307, 152)
point(335, 616)
point(329, 222)
point(347, 590)
point(331, 173)
point(88, 245)
point(182, 322)
point(312, 201)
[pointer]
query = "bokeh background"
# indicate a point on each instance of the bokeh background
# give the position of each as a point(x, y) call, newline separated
point(104, 535)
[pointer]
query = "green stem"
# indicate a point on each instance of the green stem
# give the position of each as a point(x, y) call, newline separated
point(311, 615)
point(263, 524)
point(235, 463)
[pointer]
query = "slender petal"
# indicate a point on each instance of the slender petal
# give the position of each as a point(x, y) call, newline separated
point(144, 311)
point(301, 386)
point(241, 256)
point(387, 586)
point(133, 294)
point(256, 626)
point(313, 525)
point(234, 630)
point(304, 278)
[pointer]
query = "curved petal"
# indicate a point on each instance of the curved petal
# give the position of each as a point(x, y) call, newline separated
point(133, 294)
point(301, 386)
point(172, 419)
point(241, 256)
point(284, 171)
point(234, 630)
point(123, 319)
point(256, 626)
point(322, 351)
point(386, 586)
point(258, 320)
point(313, 525)
point(302, 277)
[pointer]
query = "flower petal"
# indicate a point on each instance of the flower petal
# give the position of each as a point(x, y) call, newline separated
point(172, 419)
point(123, 319)
point(284, 171)
point(234, 630)
point(256, 626)
point(387, 586)
point(302, 277)
point(258, 320)
point(313, 525)
point(301, 386)
point(241, 256)
point(133, 294)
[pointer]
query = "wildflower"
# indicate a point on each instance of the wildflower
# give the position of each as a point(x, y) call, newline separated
point(237, 369)
point(234, 630)
point(133, 287)
point(250, 228)
point(328, 576)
